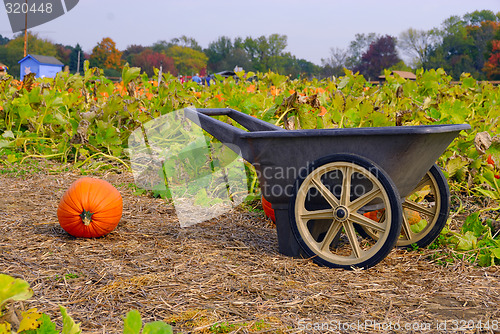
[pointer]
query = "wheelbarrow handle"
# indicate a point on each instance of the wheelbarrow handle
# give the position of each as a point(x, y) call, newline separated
point(248, 122)
point(214, 111)
point(226, 133)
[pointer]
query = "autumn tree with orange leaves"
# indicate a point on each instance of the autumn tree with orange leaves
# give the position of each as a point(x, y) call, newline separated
point(492, 66)
point(106, 55)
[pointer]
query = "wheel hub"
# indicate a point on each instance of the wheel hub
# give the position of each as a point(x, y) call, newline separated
point(341, 213)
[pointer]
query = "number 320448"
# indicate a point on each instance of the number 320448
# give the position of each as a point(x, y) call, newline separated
point(471, 324)
point(24, 8)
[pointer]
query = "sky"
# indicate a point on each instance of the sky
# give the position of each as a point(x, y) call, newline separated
point(313, 27)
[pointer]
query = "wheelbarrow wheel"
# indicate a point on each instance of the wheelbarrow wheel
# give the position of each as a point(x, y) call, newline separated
point(329, 198)
point(425, 212)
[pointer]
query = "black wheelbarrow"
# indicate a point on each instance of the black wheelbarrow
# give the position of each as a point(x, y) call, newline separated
point(341, 196)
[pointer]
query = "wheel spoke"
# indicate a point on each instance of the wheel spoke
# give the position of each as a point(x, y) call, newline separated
point(353, 239)
point(365, 199)
point(366, 222)
point(330, 235)
point(325, 192)
point(345, 197)
point(406, 229)
point(382, 218)
point(419, 208)
point(317, 214)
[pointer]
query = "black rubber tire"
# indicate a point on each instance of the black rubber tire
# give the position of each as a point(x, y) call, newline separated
point(443, 191)
point(394, 206)
point(443, 213)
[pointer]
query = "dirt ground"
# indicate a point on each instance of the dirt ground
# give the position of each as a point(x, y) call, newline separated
point(225, 275)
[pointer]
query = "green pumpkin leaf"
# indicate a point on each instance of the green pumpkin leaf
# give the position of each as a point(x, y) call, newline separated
point(496, 252)
point(129, 74)
point(46, 326)
point(474, 224)
point(455, 166)
point(466, 241)
point(13, 289)
point(132, 323)
point(69, 326)
point(157, 327)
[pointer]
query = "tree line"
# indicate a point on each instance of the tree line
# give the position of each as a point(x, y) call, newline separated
point(470, 43)
point(467, 44)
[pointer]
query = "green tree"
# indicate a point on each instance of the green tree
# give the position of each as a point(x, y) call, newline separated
point(417, 44)
point(4, 40)
point(161, 46)
point(76, 53)
point(477, 17)
point(251, 48)
point(237, 57)
point(13, 51)
point(463, 44)
point(187, 60)
point(36, 45)
point(132, 51)
point(261, 49)
point(288, 64)
point(451, 51)
point(277, 44)
point(358, 47)
point(186, 42)
point(335, 64)
point(218, 52)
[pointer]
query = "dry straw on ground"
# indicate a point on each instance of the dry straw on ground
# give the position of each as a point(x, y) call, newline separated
point(222, 275)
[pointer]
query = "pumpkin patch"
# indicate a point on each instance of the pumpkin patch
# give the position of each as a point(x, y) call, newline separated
point(90, 208)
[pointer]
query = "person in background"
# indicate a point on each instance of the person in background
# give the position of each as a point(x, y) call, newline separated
point(196, 78)
point(207, 80)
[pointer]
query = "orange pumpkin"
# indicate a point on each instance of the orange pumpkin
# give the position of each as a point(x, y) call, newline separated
point(268, 209)
point(412, 217)
point(90, 208)
point(374, 215)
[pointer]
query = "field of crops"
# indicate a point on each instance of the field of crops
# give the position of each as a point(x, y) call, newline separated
point(83, 123)
point(83, 118)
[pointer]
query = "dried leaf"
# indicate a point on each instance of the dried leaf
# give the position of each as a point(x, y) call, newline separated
point(482, 141)
point(31, 320)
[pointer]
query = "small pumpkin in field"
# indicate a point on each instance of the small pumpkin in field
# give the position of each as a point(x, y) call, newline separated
point(374, 215)
point(268, 209)
point(412, 217)
point(90, 208)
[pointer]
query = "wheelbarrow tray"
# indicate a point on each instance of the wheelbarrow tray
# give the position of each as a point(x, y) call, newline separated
point(405, 153)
